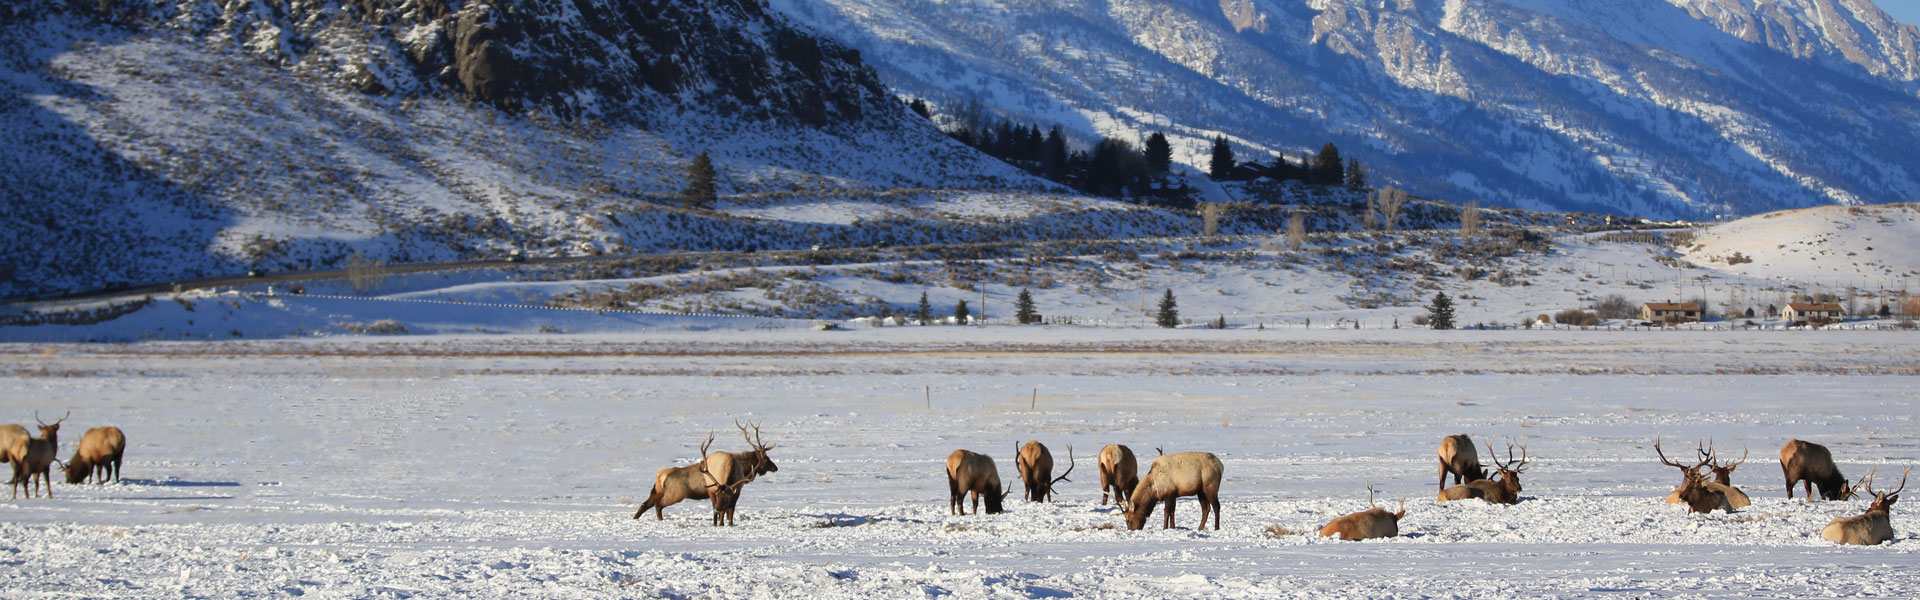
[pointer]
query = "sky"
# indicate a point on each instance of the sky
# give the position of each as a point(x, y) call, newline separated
point(1905, 11)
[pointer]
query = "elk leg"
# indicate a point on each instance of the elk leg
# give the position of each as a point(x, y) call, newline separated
point(1204, 511)
point(1809, 489)
point(1168, 521)
point(1443, 477)
point(976, 502)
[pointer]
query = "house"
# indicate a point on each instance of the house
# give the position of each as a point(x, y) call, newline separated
point(1670, 313)
point(1813, 313)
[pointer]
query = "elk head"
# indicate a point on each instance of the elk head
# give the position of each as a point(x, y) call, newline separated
point(1511, 468)
point(1883, 501)
point(1693, 485)
point(49, 431)
point(761, 463)
point(1723, 473)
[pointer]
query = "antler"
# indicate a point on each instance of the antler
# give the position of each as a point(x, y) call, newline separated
point(1369, 495)
point(1903, 482)
point(1663, 457)
point(1157, 450)
point(755, 440)
point(1063, 476)
point(1866, 484)
point(63, 418)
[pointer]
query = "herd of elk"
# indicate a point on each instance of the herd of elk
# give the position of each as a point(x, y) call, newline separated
point(1505, 490)
point(718, 476)
point(1374, 522)
point(1035, 465)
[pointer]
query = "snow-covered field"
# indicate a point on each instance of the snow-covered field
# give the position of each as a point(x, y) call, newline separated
point(510, 467)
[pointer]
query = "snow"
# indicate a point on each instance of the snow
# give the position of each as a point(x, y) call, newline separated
point(1864, 246)
point(497, 467)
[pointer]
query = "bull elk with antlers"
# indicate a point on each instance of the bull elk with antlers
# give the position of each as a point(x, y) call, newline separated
point(1375, 522)
point(973, 472)
point(1035, 464)
point(1810, 463)
point(1505, 490)
point(1458, 457)
point(1694, 489)
point(1170, 477)
point(714, 473)
point(1722, 482)
point(1871, 527)
point(33, 458)
point(1119, 472)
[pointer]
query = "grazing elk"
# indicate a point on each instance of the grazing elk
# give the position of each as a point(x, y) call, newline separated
point(1458, 457)
point(969, 471)
point(1170, 477)
point(8, 435)
point(1119, 472)
point(1375, 522)
point(1871, 527)
point(1035, 465)
point(1505, 490)
point(1694, 489)
point(98, 456)
point(1812, 464)
point(33, 458)
point(727, 473)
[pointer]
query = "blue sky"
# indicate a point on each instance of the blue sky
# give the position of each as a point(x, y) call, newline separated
point(1905, 11)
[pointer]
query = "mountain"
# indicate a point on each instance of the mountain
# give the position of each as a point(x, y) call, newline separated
point(148, 141)
point(1658, 108)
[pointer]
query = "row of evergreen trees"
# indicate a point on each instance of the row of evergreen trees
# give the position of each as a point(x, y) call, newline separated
point(1324, 168)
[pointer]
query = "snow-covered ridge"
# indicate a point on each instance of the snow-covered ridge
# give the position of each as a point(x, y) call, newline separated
point(1862, 246)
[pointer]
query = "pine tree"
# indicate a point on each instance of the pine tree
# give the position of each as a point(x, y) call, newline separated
point(1159, 153)
point(1169, 316)
point(920, 108)
point(1440, 313)
point(699, 192)
point(1222, 164)
point(1053, 154)
point(924, 314)
point(1356, 174)
point(1327, 169)
point(960, 314)
point(1023, 308)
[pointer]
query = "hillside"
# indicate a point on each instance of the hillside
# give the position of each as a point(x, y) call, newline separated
point(1839, 247)
point(1664, 109)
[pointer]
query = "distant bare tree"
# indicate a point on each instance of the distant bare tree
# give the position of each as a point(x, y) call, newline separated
point(1383, 207)
point(1470, 219)
point(364, 273)
point(1296, 231)
point(1615, 307)
point(1210, 213)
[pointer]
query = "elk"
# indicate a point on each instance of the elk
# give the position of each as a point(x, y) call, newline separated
point(1871, 527)
point(1722, 481)
point(1119, 472)
point(1812, 464)
point(1035, 465)
point(672, 485)
point(1505, 490)
point(1375, 522)
point(8, 435)
point(969, 471)
point(98, 456)
point(727, 473)
point(1458, 457)
point(33, 458)
point(1693, 490)
point(1170, 477)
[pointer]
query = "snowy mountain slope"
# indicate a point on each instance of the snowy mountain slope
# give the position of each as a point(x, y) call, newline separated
point(179, 139)
point(1633, 107)
point(1865, 246)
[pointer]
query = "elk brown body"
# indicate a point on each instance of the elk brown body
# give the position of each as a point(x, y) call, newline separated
point(1119, 472)
point(1722, 483)
point(32, 458)
point(973, 472)
point(1505, 490)
point(672, 485)
point(1035, 465)
point(98, 456)
point(1375, 522)
point(1694, 490)
point(1869, 528)
point(9, 435)
point(726, 474)
point(1811, 464)
point(1170, 477)
point(1458, 457)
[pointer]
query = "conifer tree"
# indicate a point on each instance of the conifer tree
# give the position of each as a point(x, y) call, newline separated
point(960, 314)
point(1222, 163)
point(1169, 316)
point(699, 192)
point(920, 108)
point(1023, 308)
point(1053, 154)
point(1159, 153)
point(1327, 169)
point(1356, 174)
point(924, 314)
point(1440, 313)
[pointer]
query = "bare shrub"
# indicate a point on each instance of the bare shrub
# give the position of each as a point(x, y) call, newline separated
point(1296, 231)
point(1614, 307)
point(381, 327)
point(364, 274)
point(1576, 317)
point(1470, 219)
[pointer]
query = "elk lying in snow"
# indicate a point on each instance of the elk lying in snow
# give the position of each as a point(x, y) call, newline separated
point(1811, 463)
point(969, 471)
point(1693, 489)
point(1170, 477)
point(1119, 472)
point(1375, 522)
point(9, 434)
point(1458, 457)
point(1035, 464)
point(1722, 482)
point(98, 456)
point(1505, 490)
point(33, 458)
point(1871, 527)
point(718, 476)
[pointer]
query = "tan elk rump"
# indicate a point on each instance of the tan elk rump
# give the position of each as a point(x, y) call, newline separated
point(1035, 465)
point(1170, 477)
point(1458, 457)
point(1375, 522)
point(9, 435)
point(973, 472)
point(1119, 472)
point(98, 456)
